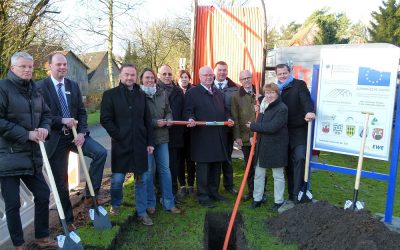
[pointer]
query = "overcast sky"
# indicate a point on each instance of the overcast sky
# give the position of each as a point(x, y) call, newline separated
point(279, 12)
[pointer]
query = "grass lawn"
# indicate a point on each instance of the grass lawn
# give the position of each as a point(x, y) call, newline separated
point(94, 118)
point(186, 231)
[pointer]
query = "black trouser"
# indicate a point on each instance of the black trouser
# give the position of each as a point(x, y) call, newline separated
point(175, 155)
point(250, 177)
point(295, 170)
point(41, 193)
point(59, 166)
point(207, 179)
point(227, 170)
point(186, 165)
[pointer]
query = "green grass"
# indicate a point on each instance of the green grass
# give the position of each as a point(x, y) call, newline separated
point(94, 118)
point(187, 231)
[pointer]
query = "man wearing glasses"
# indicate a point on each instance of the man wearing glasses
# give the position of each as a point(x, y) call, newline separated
point(209, 147)
point(242, 110)
point(175, 144)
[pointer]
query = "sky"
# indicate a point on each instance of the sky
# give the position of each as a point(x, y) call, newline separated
point(279, 12)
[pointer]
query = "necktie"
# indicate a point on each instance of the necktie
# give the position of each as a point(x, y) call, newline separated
point(220, 85)
point(210, 91)
point(63, 102)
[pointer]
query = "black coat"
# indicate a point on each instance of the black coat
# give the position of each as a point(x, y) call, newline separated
point(297, 98)
point(126, 117)
point(22, 109)
point(75, 106)
point(272, 136)
point(208, 143)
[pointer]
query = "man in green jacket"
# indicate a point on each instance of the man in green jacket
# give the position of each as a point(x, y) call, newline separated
point(242, 111)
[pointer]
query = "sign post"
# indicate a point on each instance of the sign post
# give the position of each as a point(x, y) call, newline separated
point(348, 82)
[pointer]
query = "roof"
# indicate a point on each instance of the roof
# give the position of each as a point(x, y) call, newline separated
point(40, 54)
point(93, 59)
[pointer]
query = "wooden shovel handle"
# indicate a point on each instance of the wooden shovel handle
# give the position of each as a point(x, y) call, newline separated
point(84, 167)
point(361, 153)
point(52, 182)
point(307, 163)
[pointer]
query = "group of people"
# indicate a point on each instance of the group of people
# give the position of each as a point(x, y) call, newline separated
point(44, 111)
point(139, 115)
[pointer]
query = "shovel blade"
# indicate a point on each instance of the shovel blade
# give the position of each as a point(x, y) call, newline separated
point(304, 196)
point(101, 220)
point(70, 242)
point(350, 205)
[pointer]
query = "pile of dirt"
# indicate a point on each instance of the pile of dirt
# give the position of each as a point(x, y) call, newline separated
point(323, 226)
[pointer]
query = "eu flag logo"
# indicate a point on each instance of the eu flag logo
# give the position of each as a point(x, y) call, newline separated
point(368, 76)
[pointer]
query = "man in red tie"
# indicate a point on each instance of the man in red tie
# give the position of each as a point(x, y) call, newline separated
point(208, 143)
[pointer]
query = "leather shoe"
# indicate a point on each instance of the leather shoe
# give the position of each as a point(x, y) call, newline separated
point(176, 210)
point(151, 210)
point(71, 227)
point(247, 197)
point(219, 197)
point(21, 247)
point(46, 243)
point(207, 204)
point(88, 202)
point(255, 204)
point(231, 190)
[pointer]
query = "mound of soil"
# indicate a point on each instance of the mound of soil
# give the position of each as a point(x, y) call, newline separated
point(323, 226)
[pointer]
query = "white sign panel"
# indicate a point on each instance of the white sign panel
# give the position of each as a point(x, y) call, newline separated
point(352, 81)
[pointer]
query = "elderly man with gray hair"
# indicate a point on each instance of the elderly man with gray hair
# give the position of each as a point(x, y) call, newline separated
point(24, 121)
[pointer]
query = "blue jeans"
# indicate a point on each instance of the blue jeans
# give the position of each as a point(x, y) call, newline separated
point(161, 158)
point(98, 154)
point(144, 191)
point(117, 180)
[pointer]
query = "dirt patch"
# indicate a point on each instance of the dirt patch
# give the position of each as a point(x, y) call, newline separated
point(323, 226)
point(215, 227)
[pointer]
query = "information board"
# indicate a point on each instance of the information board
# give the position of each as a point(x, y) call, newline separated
point(352, 81)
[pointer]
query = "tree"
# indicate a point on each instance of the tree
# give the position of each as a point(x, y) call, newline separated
point(386, 24)
point(21, 22)
point(333, 28)
point(101, 21)
point(288, 32)
point(161, 42)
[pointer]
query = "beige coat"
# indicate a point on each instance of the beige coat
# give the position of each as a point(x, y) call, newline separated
point(242, 111)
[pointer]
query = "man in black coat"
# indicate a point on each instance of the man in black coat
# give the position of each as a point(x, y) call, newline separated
point(24, 121)
point(296, 96)
point(227, 87)
point(126, 117)
point(208, 143)
point(64, 99)
point(176, 99)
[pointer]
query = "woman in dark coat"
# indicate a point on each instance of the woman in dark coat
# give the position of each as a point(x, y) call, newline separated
point(187, 165)
point(272, 145)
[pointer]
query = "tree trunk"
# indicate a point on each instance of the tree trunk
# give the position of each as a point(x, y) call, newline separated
point(110, 42)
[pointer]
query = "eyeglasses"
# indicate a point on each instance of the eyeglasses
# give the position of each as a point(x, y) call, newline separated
point(167, 74)
point(208, 75)
point(246, 78)
point(270, 93)
point(24, 66)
